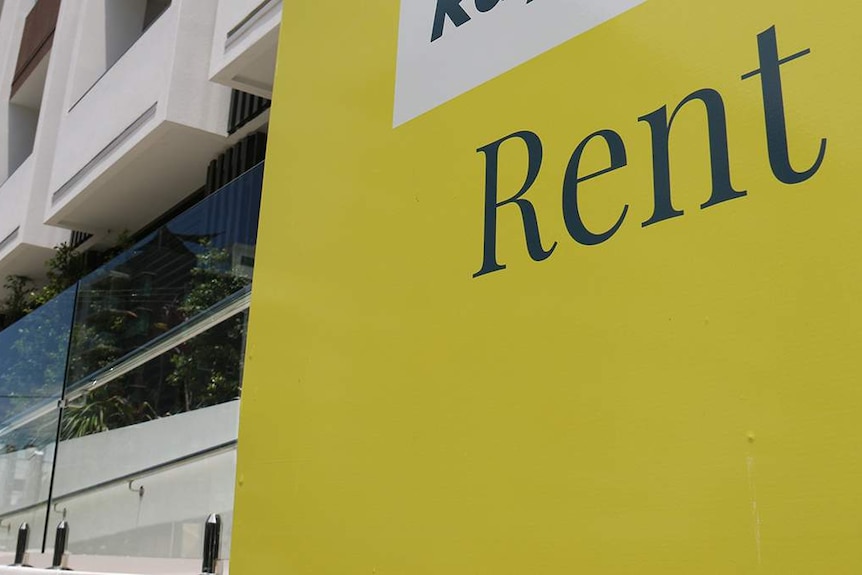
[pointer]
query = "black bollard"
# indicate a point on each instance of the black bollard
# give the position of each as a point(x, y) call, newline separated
point(21, 547)
point(60, 542)
point(212, 539)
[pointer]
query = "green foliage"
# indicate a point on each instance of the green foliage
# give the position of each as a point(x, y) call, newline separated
point(207, 368)
point(202, 372)
point(33, 356)
point(210, 281)
point(124, 242)
point(65, 267)
point(102, 410)
point(19, 301)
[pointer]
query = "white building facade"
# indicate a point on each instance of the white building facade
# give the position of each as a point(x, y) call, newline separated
point(140, 123)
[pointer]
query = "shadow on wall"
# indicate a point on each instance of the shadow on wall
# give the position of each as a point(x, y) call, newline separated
point(111, 28)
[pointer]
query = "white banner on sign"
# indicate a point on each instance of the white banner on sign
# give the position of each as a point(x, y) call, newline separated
point(477, 40)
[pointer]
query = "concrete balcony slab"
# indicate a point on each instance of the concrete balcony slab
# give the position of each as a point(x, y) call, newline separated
point(138, 140)
point(244, 45)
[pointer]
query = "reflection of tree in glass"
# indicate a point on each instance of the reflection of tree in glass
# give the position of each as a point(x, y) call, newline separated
point(130, 301)
point(207, 368)
point(33, 346)
point(18, 300)
point(33, 357)
point(102, 410)
point(201, 372)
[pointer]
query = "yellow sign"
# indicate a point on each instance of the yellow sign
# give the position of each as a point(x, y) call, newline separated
point(557, 287)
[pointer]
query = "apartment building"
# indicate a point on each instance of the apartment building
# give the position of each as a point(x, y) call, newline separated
point(132, 135)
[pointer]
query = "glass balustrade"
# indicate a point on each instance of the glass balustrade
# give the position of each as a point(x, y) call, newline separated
point(145, 356)
point(181, 269)
point(33, 353)
point(145, 457)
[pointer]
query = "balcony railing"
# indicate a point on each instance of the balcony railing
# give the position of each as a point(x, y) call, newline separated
point(89, 380)
point(245, 107)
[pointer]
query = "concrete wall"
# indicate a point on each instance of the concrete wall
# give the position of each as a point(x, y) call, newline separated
point(193, 99)
point(22, 134)
point(11, 30)
point(135, 83)
point(166, 521)
point(108, 28)
point(28, 128)
point(140, 137)
point(12, 196)
point(245, 58)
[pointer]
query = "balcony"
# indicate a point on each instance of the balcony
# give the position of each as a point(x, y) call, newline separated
point(140, 126)
point(24, 242)
point(145, 356)
point(25, 58)
point(244, 45)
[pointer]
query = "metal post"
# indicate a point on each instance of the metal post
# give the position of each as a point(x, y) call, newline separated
point(212, 539)
point(21, 547)
point(60, 542)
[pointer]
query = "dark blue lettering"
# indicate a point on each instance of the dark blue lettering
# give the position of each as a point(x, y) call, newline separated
point(773, 108)
point(528, 212)
point(451, 9)
point(486, 5)
point(722, 190)
point(571, 213)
